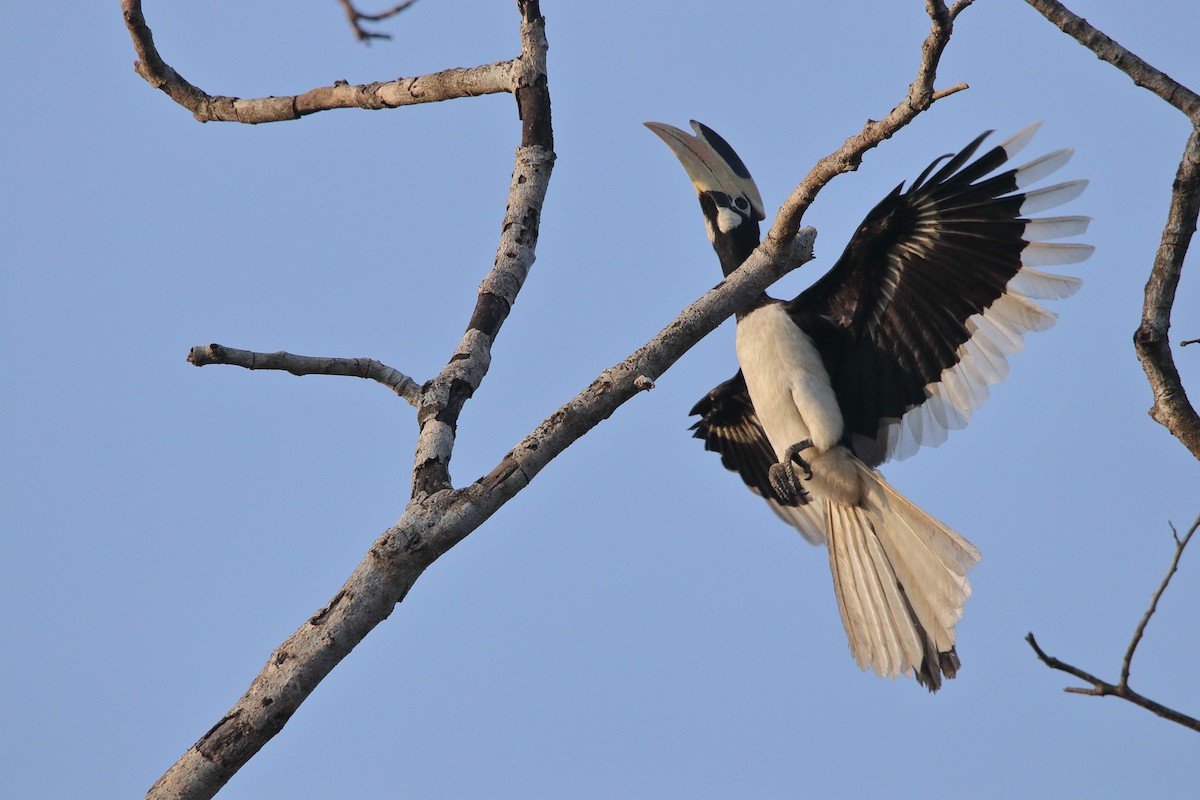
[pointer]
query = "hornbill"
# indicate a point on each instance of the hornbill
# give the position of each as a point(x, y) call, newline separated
point(895, 345)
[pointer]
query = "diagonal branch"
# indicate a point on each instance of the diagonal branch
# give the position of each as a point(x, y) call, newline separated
point(1140, 72)
point(848, 157)
point(448, 84)
point(1101, 688)
point(638, 373)
point(433, 523)
point(398, 382)
point(357, 18)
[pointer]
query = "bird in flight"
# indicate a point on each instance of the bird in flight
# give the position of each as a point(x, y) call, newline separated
point(895, 345)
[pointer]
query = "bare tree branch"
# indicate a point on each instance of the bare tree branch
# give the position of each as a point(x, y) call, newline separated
point(640, 370)
point(401, 554)
point(357, 17)
point(433, 523)
point(1142, 73)
point(1140, 630)
point(438, 516)
point(398, 382)
point(1101, 688)
point(463, 373)
point(848, 157)
point(448, 84)
point(1171, 408)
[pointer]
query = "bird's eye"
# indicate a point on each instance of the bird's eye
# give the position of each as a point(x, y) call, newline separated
point(741, 203)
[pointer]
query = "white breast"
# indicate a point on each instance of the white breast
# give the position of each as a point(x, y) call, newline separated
point(787, 380)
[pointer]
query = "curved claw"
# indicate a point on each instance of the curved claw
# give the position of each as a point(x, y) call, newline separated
point(793, 455)
point(804, 465)
point(783, 476)
point(787, 485)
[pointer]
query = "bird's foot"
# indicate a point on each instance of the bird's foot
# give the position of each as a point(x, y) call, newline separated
point(792, 456)
point(784, 479)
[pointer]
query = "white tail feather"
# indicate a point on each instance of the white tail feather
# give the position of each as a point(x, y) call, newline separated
point(901, 582)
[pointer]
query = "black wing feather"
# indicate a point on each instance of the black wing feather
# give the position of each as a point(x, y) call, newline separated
point(921, 264)
point(729, 426)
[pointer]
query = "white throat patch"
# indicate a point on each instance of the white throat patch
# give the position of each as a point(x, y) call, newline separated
point(728, 219)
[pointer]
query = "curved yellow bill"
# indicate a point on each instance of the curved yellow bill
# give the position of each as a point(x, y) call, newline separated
point(710, 162)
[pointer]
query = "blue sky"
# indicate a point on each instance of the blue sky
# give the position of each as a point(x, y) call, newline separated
point(634, 624)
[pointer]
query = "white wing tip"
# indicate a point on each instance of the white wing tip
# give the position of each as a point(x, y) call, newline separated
point(1013, 144)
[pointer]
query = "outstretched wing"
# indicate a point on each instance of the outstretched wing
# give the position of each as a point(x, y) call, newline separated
point(934, 291)
point(729, 426)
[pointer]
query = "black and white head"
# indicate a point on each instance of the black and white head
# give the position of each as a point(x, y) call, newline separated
point(729, 198)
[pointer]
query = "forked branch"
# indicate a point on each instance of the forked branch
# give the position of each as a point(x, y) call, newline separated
point(453, 386)
point(357, 18)
point(1101, 688)
point(402, 553)
point(445, 85)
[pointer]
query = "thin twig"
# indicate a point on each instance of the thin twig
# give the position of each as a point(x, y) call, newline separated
point(369, 368)
point(1101, 688)
point(848, 157)
point(357, 17)
point(1062, 666)
point(958, 7)
point(445, 85)
point(1138, 632)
